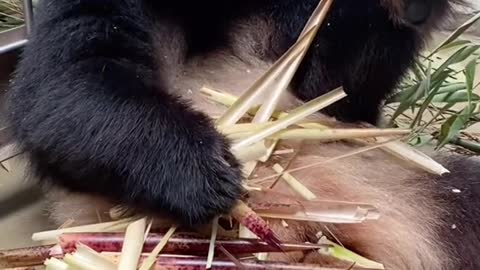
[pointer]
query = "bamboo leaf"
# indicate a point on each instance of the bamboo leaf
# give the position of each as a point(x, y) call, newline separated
point(457, 33)
point(469, 71)
point(456, 97)
point(344, 254)
point(454, 125)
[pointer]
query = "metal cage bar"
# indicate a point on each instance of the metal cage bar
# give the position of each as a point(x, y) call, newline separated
point(28, 11)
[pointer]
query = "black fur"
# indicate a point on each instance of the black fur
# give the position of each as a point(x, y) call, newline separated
point(88, 106)
point(359, 47)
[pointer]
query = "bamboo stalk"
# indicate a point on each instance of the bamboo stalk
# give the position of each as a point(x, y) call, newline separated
point(294, 183)
point(398, 149)
point(293, 117)
point(337, 134)
point(213, 239)
point(114, 226)
point(245, 102)
point(56, 264)
point(251, 152)
point(415, 157)
point(270, 204)
point(133, 245)
point(150, 260)
point(188, 243)
point(25, 257)
point(248, 218)
point(279, 86)
point(322, 135)
point(198, 263)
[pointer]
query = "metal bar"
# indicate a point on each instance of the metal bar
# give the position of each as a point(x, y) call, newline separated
point(28, 11)
point(13, 39)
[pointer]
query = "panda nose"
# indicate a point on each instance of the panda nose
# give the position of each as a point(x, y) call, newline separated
point(417, 11)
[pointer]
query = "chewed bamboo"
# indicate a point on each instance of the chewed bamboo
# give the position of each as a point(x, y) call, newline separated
point(150, 260)
point(25, 257)
point(133, 245)
point(415, 157)
point(245, 102)
point(293, 117)
point(114, 226)
point(397, 149)
point(248, 218)
point(278, 206)
point(56, 264)
point(212, 244)
point(252, 152)
point(294, 183)
point(337, 134)
point(322, 135)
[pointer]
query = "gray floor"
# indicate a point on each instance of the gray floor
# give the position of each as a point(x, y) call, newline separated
point(21, 205)
point(21, 209)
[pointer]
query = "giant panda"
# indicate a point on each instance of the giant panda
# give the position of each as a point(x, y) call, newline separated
point(105, 104)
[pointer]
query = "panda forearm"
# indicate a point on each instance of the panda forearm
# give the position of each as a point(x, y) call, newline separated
point(368, 79)
point(97, 72)
point(368, 62)
point(89, 110)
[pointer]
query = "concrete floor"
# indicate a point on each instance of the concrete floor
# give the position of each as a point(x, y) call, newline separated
point(21, 209)
point(21, 205)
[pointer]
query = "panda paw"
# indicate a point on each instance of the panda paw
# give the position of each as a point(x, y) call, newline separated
point(205, 182)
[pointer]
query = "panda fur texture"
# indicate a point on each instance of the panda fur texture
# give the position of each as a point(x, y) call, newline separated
point(105, 102)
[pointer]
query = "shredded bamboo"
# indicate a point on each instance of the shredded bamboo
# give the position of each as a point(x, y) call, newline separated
point(132, 247)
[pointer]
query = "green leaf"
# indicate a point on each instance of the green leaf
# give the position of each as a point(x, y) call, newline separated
point(470, 74)
point(421, 140)
point(408, 98)
point(452, 87)
point(457, 57)
point(418, 71)
point(454, 125)
point(459, 31)
point(455, 97)
point(456, 43)
point(427, 101)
